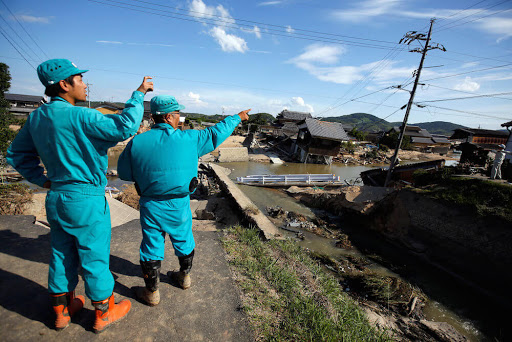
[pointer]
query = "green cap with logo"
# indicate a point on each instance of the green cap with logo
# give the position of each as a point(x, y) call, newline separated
point(163, 104)
point(55, 70)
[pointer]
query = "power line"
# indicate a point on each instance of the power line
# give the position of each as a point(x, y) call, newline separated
point(447, 26)
point(238, 26)
point(261, 23)
point(471, 113)
point(468, 72)
point(15, 48)
point(8, 25)
point(465, 92)
point(468, 97)
point(28, 34)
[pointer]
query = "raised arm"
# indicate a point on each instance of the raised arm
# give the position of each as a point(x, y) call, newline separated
point(23, 156)
point(120, 127)
point(210, 138)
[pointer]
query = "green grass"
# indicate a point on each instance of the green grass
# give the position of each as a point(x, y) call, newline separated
point(483, 197)
point(288, 296)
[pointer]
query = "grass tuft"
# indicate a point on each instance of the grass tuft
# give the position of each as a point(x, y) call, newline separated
point(288, 296)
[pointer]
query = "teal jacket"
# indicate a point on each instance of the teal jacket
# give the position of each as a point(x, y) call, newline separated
point(71, 141)
point(163, 160)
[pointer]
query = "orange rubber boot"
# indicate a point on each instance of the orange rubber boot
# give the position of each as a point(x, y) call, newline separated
point(65, 305)
point(107, 312)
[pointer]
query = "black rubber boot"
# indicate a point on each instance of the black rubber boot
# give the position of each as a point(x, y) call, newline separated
point(151, 272)
point(186, 262)
point(182, 277)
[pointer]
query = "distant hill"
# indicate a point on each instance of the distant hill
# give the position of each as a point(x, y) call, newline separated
point(438, 127)
point(369, 123)
point(362, 121)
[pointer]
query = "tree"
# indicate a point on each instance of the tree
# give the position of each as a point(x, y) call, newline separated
point(6, 119)
point(359, 135)
point(391, 140)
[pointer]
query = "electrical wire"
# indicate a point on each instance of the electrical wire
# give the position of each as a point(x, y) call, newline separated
point(16, 33)
point(465, 92)
point(15, 48)
point(28, 34)
point(238, 26)
point(265, 24)
point(468, 72)
point(447, 26)
point(468, 97)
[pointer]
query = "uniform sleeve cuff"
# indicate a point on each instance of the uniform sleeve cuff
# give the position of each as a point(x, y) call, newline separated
point(138, 95)
point(41, 180)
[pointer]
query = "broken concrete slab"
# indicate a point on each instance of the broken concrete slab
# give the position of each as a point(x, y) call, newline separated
point(249, 209)
point(233, 154)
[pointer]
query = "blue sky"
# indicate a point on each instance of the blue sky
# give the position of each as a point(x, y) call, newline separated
point(329, 58)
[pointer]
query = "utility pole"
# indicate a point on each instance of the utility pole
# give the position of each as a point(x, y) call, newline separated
point(89, 93)
point(409, 38)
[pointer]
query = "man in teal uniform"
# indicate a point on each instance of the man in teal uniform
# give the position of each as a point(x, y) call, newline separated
point(163, 164)
point(72, 143)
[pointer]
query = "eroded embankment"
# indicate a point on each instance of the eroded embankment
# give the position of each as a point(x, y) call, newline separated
point(464, 249)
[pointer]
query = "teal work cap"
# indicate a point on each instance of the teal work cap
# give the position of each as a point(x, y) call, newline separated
point(163, 104)
point(55, 70)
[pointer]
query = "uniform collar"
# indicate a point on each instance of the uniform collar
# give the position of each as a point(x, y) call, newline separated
point(58, 98)
point(162, 125)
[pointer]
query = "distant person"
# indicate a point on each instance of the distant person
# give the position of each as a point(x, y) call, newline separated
point(72, 142)
point(498, 160)
point(163, 164)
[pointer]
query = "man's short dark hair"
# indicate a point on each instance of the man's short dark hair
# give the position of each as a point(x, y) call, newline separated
point(158, 118)
point(55, 89)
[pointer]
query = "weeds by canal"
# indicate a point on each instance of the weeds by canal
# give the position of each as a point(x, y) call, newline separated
point(288, 296)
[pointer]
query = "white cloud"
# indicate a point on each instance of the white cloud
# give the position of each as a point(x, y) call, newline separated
point(317, 56)
point(32, 19)
point(498, 26)
point(289, 29)
point(470, 65)
point(327, 54)
point(468, 85)
point(299, 102)
point(108, 42)
point(270, 3)
point(256, 30)
point(365, 10)
point(195, 99)
point(228, 42)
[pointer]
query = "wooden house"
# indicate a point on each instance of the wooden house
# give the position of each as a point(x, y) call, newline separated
point(478, 143)
point(23, 105)
point(318, 141)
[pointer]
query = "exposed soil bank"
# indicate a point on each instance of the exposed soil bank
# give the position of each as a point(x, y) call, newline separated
point(468, 253)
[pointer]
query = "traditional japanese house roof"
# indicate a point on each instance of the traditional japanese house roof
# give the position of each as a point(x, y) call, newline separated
point(110, 105)
point(440, 139)
point(293, 116)
point(461, 133)
point(290, 128)
point(24, 98)
point(421, 140)
point(325, 130)
point(414, 131)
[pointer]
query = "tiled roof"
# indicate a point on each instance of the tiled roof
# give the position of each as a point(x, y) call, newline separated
point(464, 132)
point(23, 98)
point(440, 139)
point(290, 127)
point(109, 104)
point(296, 116)
point(421, 140)
point(327, 130)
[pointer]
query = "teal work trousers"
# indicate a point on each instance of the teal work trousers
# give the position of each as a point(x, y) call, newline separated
point(159, 217)
point(79, 218)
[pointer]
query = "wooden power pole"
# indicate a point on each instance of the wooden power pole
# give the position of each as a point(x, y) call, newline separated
point(409, 38)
